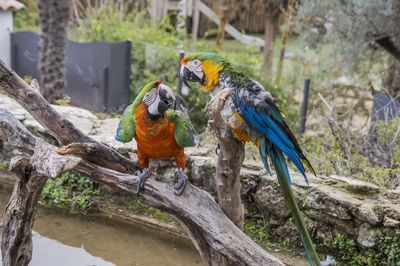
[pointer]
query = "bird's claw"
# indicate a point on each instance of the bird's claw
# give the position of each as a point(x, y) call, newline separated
point(217, 149)
point(143, 175)
point(180, 182)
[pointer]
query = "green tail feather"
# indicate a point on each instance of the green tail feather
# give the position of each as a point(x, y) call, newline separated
point(282, 172)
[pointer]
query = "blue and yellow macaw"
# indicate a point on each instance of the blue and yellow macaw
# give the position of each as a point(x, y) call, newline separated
point(254, 116)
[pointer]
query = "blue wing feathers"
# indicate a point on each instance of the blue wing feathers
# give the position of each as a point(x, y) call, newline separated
point(264, 124)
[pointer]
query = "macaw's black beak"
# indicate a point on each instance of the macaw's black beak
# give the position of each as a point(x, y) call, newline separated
point(184, 73)
point(188, 75)
point(166, 101)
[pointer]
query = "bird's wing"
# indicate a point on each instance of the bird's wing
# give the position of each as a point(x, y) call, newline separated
point(126, 127)
point(269, 122)
point(184, 133)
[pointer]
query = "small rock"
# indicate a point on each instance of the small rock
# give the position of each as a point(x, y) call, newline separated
point(269, 198)
point(328, 261)
point(393, 194)
point(288, 229)
point(367, 235)
point(327, 201)
point(355, 185)
point(366, 213)
point(202, 171)
point(389, 222)
point(250, 180)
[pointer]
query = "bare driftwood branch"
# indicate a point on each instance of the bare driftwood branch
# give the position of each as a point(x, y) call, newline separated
point(211, 230)
point(230, 160)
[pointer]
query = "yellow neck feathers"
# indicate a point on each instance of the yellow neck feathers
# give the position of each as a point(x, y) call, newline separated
point(211, 70)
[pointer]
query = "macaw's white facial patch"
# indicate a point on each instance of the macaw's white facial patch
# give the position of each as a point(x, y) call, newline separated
point(196, 68)
point(151, 99)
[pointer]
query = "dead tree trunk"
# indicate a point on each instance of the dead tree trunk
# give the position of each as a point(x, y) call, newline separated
point(271, 27)
point(20, 211)
point(230, 160)
point(211, 230)
point(53, 17)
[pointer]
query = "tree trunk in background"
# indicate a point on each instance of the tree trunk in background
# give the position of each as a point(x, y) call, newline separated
point(284, 39)
point(53, 17)
point(221, 29)
point(271, 28)
point(392, 81)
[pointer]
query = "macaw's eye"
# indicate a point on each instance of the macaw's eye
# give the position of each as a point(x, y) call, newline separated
point(196, 62)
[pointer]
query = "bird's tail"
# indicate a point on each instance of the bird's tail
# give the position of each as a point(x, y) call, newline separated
point(279, 163)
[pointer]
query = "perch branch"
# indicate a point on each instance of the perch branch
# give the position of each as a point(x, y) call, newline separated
point(230, 160)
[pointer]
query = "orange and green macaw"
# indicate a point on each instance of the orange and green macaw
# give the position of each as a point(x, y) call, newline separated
point(253, 115)
point(160, 132)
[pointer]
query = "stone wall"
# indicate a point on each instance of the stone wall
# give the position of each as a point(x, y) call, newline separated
point(331, 205)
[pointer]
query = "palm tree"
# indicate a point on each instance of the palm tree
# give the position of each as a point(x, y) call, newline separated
point(53, 17)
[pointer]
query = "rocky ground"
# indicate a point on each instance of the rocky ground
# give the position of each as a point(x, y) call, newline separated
point(332, 205)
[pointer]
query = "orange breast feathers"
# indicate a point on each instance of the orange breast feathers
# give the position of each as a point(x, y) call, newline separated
point(155, 139)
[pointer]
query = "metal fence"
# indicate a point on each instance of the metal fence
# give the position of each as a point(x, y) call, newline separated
point(98, 73)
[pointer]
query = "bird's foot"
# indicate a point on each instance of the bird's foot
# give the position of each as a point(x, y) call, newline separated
point(180, 181)
point(217, 149)
point(143, 175)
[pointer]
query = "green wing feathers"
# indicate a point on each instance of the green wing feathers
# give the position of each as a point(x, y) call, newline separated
point(184, 133)
point(126, 127)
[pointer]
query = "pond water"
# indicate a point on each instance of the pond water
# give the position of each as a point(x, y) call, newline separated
point(73, 240)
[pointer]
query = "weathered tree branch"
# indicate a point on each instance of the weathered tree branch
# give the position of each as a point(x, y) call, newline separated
point(211, 230)
point(32, 174)
point(230, 160)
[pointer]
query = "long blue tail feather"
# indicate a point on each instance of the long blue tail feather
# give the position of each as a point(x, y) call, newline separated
point(279, 163)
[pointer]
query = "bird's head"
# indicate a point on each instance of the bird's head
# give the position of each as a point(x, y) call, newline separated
point(158, 97)
point(203, 68)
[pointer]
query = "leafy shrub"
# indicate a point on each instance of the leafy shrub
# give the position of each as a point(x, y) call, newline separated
point(70, 191)
point(256, 230)
point(386, 252)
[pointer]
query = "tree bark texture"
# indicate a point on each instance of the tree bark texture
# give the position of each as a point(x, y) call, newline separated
point(271, 28)
point(284, 39)
point(212, 232)
point(53, 18)
point(230, 160)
